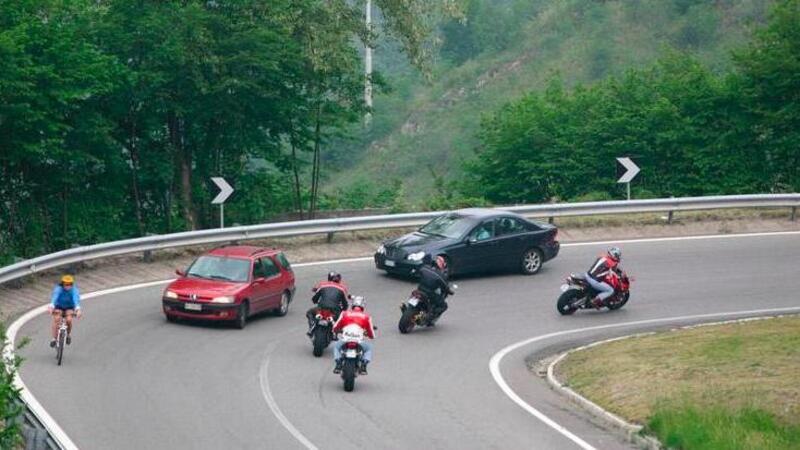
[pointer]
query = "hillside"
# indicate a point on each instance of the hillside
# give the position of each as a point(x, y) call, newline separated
point(422, 132)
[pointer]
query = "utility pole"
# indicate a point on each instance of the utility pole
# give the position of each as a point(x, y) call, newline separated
point(368, 67)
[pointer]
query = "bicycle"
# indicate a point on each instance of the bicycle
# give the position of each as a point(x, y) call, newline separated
point(61, 340)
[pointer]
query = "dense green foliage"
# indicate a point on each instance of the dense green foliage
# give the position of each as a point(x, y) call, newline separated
point(709, 428)
point(11, 407)
point(694, 132)
point(503, 49)
point(115, 114)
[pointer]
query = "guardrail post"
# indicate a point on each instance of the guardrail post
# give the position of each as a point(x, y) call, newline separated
point(74, 267)
point(147, 255)
point(17, 282)
point(794, 214)
point(669, 217)
point(329, 238)
point(550, 220)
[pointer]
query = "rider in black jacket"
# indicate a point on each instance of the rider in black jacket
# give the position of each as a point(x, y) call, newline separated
point(331, 295)
point(433, 282)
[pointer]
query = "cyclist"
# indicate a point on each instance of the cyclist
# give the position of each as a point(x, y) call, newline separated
point(65, 301)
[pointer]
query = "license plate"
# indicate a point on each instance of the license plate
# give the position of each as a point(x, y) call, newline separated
point(323, 323)
point(389, 263)
point(564, 287)
point(413, 301)
point(193, 307)
point(350, 353)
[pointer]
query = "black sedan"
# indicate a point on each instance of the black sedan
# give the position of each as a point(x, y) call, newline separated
point(473, 240)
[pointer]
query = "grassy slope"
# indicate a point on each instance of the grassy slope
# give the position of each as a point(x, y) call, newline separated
point(433, 125)
point(729, 386)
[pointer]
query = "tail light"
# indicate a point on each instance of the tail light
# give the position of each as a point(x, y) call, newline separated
point(351, 345)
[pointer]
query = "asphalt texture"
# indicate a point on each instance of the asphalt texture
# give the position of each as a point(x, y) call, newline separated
point(131, 380)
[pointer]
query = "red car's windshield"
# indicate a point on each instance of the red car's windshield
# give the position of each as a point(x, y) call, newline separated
point(219, 268)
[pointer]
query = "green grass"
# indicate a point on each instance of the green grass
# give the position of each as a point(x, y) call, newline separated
point(731, 386)
point(685, 426)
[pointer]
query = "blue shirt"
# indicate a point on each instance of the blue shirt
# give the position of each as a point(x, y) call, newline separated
point(65, 299)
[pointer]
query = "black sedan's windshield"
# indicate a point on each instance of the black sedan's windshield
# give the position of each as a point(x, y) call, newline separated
point(218, 268)
point(450, 226)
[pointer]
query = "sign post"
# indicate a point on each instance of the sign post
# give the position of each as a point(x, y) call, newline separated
point(631, 170)
point(225, 191)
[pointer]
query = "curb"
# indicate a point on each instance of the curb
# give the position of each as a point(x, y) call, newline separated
point(633, 432)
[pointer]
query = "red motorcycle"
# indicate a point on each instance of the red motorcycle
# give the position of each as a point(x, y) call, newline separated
point(577, 293)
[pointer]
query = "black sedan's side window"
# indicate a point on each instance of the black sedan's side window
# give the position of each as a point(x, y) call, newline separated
point(483, 231)
point(508, 225)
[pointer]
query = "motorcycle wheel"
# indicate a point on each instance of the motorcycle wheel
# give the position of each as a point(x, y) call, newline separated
point(319, 340)
point(565, 301)
point(406, 323)
point(619, 304)
point(349, 374)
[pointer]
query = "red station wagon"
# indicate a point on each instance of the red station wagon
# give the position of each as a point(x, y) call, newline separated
point(231, 284)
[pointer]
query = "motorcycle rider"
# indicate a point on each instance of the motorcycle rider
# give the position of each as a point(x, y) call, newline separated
point(433, 282)
point(356, 315)
point(331, 295)
point(64, 301)
point(604, 266)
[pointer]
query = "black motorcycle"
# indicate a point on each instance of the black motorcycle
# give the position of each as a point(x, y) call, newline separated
point(322, 331)
point(418, 311)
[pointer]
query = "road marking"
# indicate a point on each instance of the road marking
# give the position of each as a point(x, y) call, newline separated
point(333, 261)
point(684, 238)
point(263, 377)
point(494, 363)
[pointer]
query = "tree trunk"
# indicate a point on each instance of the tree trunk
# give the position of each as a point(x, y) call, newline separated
point(298, 202)
point(316, 165)
point(134, 152)
point(183, 158)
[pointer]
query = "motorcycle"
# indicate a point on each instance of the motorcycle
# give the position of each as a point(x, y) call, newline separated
point(577, 293)
point(352, 352)
point(322, 331)
point(417, 311)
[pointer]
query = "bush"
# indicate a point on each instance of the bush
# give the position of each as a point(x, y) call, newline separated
point(11, 407)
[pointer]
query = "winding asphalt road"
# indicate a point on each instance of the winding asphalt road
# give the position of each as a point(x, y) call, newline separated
point(131, 380)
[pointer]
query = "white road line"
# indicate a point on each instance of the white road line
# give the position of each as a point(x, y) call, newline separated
point(684, 238)
point(494, 363)
point(263, 377)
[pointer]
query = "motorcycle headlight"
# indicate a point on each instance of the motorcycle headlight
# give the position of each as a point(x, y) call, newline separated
point(223, 299)
point(416, 256)
point(382, 250)
point(170, 294)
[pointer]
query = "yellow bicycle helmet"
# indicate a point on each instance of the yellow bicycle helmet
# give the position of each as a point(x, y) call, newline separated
point(67, 279)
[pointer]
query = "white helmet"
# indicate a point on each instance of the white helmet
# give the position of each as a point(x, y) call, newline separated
point(358, 302)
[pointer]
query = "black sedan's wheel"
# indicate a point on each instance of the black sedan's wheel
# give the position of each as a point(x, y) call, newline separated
point(531, 261)
point(241, 316)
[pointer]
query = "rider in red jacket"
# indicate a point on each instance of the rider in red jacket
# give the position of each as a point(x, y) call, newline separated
point(604, 268)
point(354, 316)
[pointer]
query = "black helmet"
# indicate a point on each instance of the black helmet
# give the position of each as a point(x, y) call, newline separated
point(334, 276)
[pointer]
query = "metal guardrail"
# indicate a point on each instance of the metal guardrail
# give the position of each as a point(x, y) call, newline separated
point(242, 233)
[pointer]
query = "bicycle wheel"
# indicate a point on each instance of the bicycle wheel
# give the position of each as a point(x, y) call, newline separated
point(62, 337)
